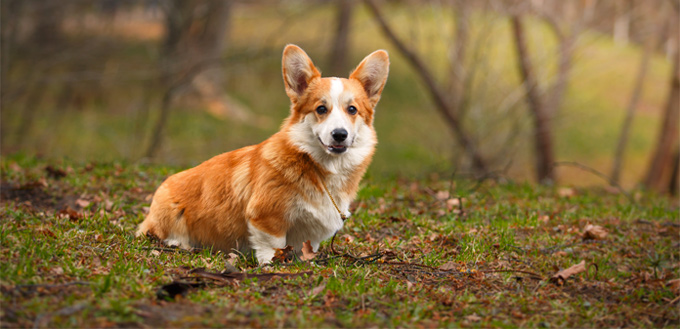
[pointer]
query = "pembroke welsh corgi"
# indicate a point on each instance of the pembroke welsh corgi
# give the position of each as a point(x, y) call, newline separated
point(292, 187)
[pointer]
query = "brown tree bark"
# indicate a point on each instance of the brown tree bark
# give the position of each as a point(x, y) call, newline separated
point(338, 57)
point(632, 105)
point(457, 56)
point(543, 144)
point(661, 166)
point(622, 21)
point(194, 40)
point(441, 101)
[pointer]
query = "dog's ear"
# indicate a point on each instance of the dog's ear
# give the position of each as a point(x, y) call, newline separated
point(372, 74)
point(298, 71)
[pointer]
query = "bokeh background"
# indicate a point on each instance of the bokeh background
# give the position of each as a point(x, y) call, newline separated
point(538, 90)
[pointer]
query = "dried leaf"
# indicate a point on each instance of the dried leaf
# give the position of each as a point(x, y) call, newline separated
point(307, 251)
point(442, 195)
point(453, 202)
point(14, 166)
point(57, 270)
point(231, 258)
point(82, 203)
point(674, 285)
point(347, 238)
point(55, 172)
point(68, 212)
point(473, 318)
point(594, 232)
point(108, 205)
point(283, 255)
point(449, 266)
point(46, 232)
point(566, 192)
point(560, 277)
point(319, 289)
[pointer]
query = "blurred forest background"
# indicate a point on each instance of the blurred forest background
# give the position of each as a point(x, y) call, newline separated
point(529, 90)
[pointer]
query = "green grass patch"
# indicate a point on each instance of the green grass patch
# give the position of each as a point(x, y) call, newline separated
point(69, 258)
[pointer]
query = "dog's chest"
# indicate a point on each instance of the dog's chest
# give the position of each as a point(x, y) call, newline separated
point(314, 217)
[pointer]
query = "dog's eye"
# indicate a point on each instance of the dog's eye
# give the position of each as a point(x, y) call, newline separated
point(352, 110)
point(321, 109)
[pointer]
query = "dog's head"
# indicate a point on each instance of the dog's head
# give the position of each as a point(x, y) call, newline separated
point(332, 118)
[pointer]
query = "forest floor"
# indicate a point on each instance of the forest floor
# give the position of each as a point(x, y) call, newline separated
point(428, 253)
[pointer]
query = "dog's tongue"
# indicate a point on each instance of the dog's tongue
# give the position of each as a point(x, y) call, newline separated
point(337, 148)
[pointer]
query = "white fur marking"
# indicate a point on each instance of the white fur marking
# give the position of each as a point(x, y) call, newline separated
point(337, 118)
point(336, 89)
point(264, 244)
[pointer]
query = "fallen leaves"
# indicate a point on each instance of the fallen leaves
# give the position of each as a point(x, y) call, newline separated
point(674, 285)
point(319, 289)
point(284, 255)
point(566, 192)
point(560, 277)
point(69, 213)
point(82, 203)
point(594, 232)
point(55, 173)
point(473, 318)
point(449, 266)
point(307, 251)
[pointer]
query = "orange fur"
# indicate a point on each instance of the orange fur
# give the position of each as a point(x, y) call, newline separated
point(258, 196)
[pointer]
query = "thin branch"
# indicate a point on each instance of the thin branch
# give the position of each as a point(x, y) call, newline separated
point(438, 96)
point(542, 134)
point(596, 173)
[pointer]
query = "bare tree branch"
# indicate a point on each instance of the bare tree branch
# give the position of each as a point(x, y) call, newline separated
point(443, 105)
point(340, 47)
point(650, 45)
point(543, 145)
point(661, 161)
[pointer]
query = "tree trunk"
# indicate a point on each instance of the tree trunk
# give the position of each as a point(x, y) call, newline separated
point(661, 163)
point(457, 56)
point(622, 21)
point(195, 38)
point(338, 56)
point(441, 100)
point(675, 176)
point(543, 145)
point(632, 105)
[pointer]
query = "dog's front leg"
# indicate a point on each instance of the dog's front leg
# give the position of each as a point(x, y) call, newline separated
point(264, 244)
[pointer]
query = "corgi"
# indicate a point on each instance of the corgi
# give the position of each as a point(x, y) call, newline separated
point(295, 186)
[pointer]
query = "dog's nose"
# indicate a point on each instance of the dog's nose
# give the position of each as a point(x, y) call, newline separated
point(339, 135)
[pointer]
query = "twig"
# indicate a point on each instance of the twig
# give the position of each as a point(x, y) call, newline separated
point(190, 251)
point(596, 173)
point(411, 264)
point(49, 286)
point(674, 300)
point(444, 107)
point(514, 271)
point(551, 249)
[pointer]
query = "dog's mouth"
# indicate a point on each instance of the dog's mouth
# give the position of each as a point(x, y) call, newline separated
point(337, 148)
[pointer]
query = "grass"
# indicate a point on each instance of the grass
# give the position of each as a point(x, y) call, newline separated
point(119, 111)
point(87, 269)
